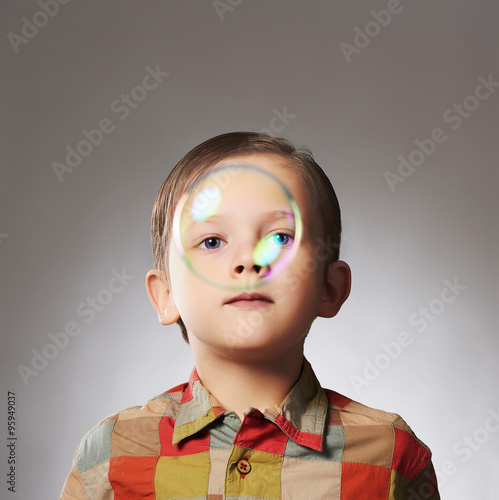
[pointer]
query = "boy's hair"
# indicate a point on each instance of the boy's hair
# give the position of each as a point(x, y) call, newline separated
point(204, 157)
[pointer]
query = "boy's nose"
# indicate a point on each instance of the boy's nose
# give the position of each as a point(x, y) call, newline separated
point(244, 265)
point(240, 268)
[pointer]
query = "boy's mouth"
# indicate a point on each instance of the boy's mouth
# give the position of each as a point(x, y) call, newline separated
point(249, 301)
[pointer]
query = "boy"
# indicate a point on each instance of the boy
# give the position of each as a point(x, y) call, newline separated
point(246, 233)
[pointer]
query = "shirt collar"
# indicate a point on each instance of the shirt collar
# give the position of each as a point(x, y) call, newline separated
point(301, 416)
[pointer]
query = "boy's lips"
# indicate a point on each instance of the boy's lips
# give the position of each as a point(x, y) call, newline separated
point(249, 301)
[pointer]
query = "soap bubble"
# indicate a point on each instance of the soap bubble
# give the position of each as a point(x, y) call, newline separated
point(237, 227)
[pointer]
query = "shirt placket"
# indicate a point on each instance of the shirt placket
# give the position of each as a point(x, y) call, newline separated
point(255, 461)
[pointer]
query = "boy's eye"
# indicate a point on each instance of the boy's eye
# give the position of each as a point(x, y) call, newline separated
point(281, 238)
point(211, 243)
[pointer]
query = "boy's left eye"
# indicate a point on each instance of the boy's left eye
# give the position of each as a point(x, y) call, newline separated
point(281, 238)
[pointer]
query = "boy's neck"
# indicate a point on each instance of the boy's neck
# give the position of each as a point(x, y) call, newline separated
point(258, 384)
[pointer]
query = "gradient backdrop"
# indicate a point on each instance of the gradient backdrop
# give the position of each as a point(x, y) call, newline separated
point(365, 85)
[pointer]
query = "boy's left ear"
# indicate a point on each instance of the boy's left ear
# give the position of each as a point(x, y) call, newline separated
point(160, 296)
point(336, 289)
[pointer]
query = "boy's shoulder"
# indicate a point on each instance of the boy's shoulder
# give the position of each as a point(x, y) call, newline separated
point(373, 436)
point(95, 446)
point(352, 413)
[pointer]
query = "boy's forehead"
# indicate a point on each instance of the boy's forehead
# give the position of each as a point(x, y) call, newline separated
point(255, 180)
point(270, 162)
point(255, 166)
point(284, 170)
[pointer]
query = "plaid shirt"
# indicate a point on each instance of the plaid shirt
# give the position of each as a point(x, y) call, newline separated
point(317, 445)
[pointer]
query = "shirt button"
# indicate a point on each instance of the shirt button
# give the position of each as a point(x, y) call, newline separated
point(243, 466)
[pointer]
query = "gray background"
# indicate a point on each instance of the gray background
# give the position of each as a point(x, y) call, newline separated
point(60, 241)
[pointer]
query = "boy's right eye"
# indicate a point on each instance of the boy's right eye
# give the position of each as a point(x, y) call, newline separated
point(211, 243)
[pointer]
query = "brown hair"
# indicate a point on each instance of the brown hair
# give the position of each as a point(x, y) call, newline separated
point(205, 156)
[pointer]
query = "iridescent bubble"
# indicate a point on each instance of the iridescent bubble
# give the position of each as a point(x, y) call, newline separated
point(266, 251)
point(237, 227)
point(205, 203)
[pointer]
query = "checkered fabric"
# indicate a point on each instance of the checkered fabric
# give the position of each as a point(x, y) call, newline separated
point(317, 445)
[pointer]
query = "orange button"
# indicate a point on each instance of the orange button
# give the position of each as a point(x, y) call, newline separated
point(243, 466)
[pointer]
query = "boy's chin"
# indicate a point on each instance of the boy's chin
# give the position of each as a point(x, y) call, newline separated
point(253, 354)
point(257, 345)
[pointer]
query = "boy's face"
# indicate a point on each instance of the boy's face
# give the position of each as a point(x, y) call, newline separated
point(230, 300)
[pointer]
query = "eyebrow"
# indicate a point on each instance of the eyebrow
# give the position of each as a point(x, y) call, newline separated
point(276, 215)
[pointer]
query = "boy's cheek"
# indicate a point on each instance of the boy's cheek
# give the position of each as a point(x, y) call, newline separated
point(290, 280)
point(278, 296)
point(303, 271)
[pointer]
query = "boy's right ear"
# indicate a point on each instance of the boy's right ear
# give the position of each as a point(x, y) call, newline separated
point(160, 296)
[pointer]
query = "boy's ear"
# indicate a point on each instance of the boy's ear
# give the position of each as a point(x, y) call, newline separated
point(336, 289)
point(160, 296)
